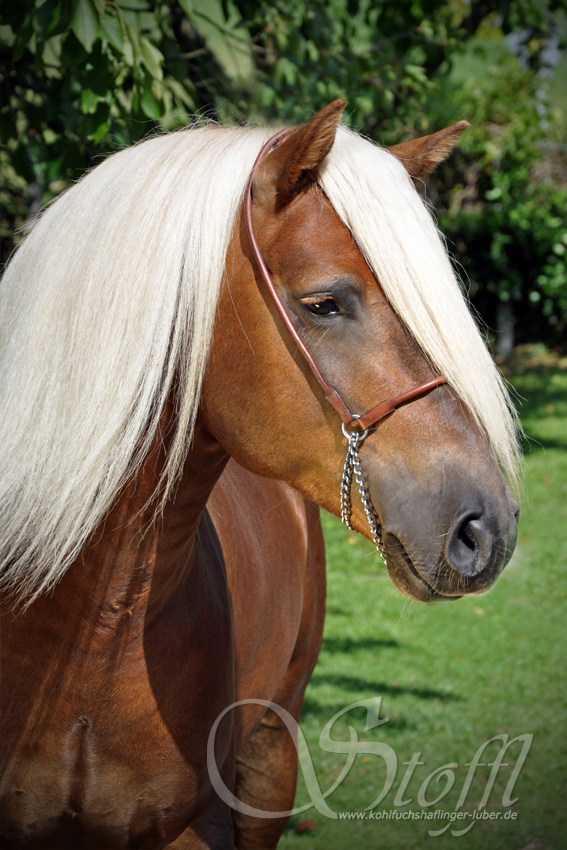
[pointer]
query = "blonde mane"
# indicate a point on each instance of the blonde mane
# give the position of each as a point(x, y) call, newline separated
point(113, 296)
point(374, 196)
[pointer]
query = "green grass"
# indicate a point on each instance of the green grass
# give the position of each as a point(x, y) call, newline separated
point(451, 676)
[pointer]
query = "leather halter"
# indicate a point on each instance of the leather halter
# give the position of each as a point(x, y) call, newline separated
point(372, 416)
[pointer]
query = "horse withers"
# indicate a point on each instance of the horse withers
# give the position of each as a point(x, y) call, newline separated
point(166, 442)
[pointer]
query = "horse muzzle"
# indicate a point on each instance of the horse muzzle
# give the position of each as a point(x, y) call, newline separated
point(465, 559)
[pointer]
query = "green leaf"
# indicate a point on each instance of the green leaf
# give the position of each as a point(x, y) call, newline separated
point(89, 101)
point(128, 52)
point(31, 45)
point(54, 169)
point(131, 48)
point(152, 58)
point(180, 92)
point(229, 44)
point(150, 106)
point(84, 23)
point(416, 72)
point(52, 51)
point(286, 72)
point(136, 5)
point(98, 135)
point(111, 30)
point(47, 17)
point(7, 35)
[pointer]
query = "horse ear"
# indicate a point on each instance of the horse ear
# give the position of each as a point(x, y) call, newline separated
point(294, 163)
point(420, 156)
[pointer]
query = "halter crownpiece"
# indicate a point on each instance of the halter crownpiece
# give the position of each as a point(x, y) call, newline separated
point(365, 422)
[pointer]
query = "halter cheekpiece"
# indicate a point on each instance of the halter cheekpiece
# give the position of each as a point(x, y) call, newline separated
point(362, 424)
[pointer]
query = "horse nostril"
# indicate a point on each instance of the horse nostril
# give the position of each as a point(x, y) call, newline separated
point(466, 543)
point(468, 539)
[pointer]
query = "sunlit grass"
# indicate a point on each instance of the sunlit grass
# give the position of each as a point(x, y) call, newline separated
point(451, 676)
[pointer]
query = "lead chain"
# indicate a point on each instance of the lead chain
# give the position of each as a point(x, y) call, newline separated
point(353, 467)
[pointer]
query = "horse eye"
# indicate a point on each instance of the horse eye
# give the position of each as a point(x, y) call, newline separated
point(323, 308)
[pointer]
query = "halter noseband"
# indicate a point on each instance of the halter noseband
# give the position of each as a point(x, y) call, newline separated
point(363, 423)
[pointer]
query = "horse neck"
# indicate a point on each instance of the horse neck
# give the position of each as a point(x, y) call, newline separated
point(135, 561)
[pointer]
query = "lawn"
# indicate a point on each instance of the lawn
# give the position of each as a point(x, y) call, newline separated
point(452, 676)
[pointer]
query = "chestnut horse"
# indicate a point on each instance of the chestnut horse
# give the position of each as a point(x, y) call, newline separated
point(165, 447)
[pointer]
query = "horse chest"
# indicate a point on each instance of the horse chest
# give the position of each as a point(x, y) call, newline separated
point(105, 730)
point(97, 730)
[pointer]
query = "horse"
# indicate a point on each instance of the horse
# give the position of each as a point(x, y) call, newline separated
point(167, 442)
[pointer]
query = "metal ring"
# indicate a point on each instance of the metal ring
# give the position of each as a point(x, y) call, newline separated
point(363, 434)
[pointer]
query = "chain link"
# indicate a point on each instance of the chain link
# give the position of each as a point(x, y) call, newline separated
point(352, 468)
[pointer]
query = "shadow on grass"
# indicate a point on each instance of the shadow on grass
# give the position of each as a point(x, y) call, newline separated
point(346, 644)
point(313, 710)
point(352, 685)
point(538, 389)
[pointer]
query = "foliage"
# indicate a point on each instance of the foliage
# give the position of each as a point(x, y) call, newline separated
point(80, 78)
point(83, 77)
point(499, 207)
point(381, 56)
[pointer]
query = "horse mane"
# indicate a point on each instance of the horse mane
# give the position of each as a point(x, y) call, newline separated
point(399, 239)
point(108, 306)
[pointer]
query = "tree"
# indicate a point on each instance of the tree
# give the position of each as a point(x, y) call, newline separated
point(83, 77)
point(80, 78)
point(501, 203)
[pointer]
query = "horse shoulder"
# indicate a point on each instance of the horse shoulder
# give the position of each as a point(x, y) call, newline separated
point(274, 557)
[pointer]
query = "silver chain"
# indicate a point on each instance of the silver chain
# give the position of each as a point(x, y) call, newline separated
point(353, 467)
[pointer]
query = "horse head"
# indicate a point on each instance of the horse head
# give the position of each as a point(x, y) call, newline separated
point(359, 278)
